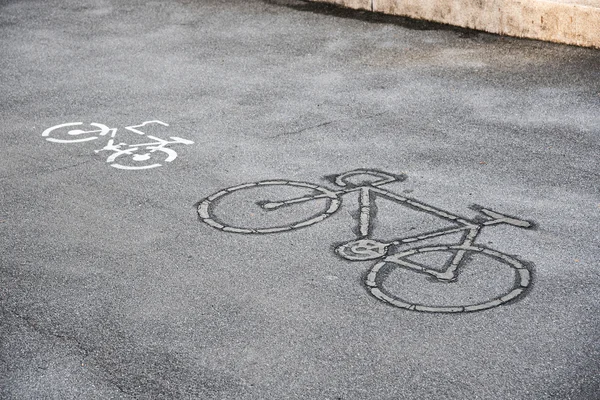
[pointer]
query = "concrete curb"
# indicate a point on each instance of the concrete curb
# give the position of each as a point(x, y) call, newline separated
point(574, 22)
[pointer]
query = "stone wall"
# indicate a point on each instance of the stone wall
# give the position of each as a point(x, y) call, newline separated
point(564, 21)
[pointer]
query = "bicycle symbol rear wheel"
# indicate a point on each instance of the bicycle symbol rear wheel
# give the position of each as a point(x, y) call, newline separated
point(64, 133)
point(377, 275)
point(206, 208)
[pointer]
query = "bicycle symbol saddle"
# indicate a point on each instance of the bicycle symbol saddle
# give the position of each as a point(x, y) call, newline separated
point(376, 178)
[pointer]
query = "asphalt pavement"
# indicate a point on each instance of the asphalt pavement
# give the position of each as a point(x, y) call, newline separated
point(175, 222)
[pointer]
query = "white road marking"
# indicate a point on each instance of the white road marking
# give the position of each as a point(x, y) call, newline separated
point(138, 156)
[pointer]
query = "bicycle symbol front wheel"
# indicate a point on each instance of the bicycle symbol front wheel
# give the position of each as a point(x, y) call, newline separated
point(132, 160)
point(329, 204)
point(378, 274)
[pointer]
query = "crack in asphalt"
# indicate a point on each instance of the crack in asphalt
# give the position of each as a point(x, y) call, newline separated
point(67, 166)
point(68, 340)
point(46, 171)
point(305, 129)
point(48, 333)
point(296, 132)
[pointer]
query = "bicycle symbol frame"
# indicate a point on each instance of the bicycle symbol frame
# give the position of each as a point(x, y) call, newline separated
point(364, 248)
point(120, 149)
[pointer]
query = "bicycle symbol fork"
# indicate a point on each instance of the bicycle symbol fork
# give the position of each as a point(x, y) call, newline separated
point(364, 248)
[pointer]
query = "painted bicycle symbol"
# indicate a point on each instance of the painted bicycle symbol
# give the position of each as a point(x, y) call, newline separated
point(123, 156)
point(388, 254)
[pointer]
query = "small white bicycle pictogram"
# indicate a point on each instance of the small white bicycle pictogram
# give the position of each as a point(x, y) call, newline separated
point(124, 156)
point(365, 248)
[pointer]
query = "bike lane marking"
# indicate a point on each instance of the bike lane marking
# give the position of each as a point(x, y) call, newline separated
point(364, 248)
point(137, 153)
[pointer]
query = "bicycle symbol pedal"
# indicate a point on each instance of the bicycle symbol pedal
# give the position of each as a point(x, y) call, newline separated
point(387, 253)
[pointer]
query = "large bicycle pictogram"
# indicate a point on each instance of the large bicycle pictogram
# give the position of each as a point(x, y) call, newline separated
point(388, 254)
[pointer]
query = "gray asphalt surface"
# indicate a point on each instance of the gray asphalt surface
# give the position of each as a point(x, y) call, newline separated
point(112, 288)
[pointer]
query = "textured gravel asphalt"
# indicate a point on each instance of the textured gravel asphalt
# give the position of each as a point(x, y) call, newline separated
point(121, 282)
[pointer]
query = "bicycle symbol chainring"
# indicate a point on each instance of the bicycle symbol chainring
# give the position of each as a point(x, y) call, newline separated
point(362, 250)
